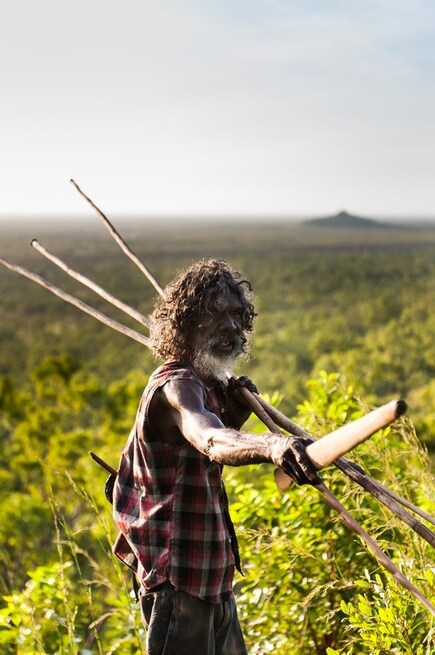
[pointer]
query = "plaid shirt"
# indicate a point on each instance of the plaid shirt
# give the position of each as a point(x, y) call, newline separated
point(171, 506)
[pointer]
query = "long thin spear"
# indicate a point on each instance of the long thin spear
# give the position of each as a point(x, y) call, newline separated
point(347, 519)
point(140, 318)
point(103, 464)
point(72, 300)
point(376, 490)
point(405, 502)
point(329, 449)
point(121, 243)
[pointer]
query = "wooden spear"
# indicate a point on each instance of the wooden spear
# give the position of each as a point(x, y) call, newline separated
point(103, 464)
point(121, 243)
point(72, 300)
point(140, 318)
point(347, 519)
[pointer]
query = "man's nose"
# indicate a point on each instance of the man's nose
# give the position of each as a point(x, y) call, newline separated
point(228, 324)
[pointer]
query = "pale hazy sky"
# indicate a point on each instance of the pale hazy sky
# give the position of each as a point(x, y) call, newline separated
point(276, 107)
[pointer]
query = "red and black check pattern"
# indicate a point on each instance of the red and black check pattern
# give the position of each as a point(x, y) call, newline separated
point(171, 507)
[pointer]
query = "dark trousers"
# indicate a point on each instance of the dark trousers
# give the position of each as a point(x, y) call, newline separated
point(178, 624)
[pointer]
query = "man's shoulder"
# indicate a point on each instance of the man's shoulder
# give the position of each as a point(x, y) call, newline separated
point(173, 370)
point(173, 376)
point(174, 388)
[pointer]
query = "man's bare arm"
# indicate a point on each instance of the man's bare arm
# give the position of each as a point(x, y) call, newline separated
point(203, 429)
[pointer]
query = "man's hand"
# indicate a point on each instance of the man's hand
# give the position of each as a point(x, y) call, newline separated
point(289, 454)
point(238, 411)
point(242, 381)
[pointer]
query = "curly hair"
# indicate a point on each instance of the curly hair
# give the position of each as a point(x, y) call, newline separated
point(188, 298)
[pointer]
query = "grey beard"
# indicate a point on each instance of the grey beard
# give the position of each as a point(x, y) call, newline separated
point(212, 365)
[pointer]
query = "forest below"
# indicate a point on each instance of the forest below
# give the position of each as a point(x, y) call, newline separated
point(346, 322)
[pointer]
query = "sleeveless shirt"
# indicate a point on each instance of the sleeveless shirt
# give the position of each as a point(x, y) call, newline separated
point(171, 507)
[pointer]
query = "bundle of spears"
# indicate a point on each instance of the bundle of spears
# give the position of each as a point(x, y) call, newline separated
point(327, 450)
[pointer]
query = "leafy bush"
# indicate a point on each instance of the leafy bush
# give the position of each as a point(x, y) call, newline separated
point(309, 580)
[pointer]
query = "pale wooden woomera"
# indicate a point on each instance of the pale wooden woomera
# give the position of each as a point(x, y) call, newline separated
point(329, 449)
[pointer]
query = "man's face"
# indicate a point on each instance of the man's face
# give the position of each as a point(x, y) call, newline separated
point(220, 339)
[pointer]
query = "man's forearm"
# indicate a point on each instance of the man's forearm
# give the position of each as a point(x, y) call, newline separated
point(234, 448)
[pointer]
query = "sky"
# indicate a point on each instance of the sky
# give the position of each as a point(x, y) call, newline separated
point(218, 107)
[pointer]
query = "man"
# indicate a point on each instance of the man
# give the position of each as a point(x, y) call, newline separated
point(169, 499)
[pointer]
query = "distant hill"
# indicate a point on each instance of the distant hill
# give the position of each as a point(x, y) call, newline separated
point(343, 219)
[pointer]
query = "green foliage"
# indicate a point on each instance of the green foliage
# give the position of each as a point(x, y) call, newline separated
point(385, 620)
point(40, 618)
point(305, 572)
point(68, 385)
